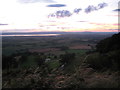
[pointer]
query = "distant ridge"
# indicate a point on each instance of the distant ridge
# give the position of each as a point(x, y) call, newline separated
point(16, 33)
point(86, 32)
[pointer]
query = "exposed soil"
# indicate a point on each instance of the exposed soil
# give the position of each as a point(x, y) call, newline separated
point(44, 50)
point(80, 46)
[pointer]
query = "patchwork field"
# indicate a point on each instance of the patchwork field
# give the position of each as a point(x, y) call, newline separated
point(18, 44)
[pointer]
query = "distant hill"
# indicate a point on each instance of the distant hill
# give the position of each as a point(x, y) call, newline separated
point(86, 32)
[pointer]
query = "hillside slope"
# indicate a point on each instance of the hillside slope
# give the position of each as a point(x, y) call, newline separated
point(98, 69)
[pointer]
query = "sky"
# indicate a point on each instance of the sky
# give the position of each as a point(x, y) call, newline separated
point(45, 15)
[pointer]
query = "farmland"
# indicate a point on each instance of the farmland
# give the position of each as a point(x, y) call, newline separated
point(47, 44)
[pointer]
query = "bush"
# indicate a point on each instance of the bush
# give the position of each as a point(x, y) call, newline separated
point(66, 58)
point(115, 58)
point(40, 60)
point(98, 61)
point(110, 60)
point(9, 62)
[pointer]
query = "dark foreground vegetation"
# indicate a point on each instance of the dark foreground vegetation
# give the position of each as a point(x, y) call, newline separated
point(66, 61)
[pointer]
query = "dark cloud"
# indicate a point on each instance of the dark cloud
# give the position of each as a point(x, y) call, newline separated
point(77, 10)
point(67, 13)
point(102, 5)
point(117, 10)
point(56, 5)
point(3, 24)
point(64, 13)
point(60, 13)
point(91, 8)
point(34, 1)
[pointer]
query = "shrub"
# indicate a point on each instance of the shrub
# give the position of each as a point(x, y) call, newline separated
point(98, 61)
point(66, 58)
point(40, 60)
point(115, 58)
point(110, 60)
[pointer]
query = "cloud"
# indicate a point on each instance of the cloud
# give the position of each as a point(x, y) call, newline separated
point(77, 10)
point(105, 24)
point(56, 5)
point(64, 13)
point(114, 29)
point(2, 24)
point(61, 13)
point(91, 8)
point(117, 10)
point(35, 1)
point(67, 13)
point(81, 21)
point(117, 24)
